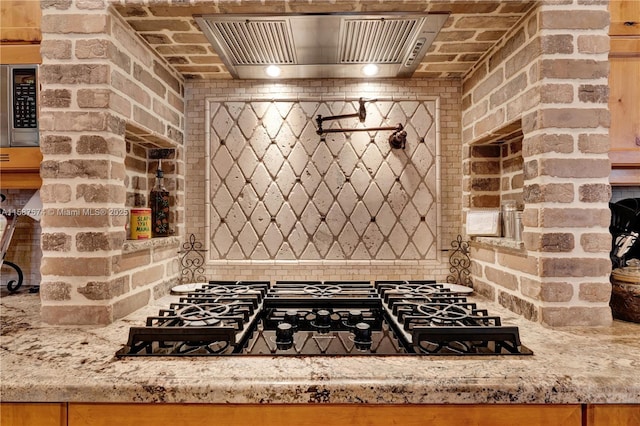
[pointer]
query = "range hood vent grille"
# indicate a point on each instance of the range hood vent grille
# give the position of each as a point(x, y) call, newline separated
point(321, 45)
point(257, 42)
point(381, 41)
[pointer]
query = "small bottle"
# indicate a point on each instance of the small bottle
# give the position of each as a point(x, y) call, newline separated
point(159, 203)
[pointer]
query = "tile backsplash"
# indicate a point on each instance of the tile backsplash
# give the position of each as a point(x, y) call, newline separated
point(279, 191)
point(439, 97)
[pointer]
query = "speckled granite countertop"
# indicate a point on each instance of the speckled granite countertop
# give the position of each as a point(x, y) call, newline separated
point(67, 364)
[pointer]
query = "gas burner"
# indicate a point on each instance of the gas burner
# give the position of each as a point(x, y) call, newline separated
point(320, 294)
point(226, 291)
point(322, 290)
point(442, 313)
point(423, 290)
point(417, 289)
point(202, 314)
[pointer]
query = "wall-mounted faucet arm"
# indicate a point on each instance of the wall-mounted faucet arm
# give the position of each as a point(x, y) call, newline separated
point(363, 129)
point(361, 114)
point(398, 138)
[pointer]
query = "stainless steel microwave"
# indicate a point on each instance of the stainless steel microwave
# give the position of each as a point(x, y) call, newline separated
point(19, 106)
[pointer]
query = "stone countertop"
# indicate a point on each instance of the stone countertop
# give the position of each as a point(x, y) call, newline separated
point(73, 364)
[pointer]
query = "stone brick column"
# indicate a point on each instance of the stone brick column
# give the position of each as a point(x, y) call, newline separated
point(547, 84)
point(566, 167)
point(99, 84)
point(82, 170)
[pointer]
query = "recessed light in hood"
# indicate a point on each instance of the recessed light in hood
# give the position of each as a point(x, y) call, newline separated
point(321, 45)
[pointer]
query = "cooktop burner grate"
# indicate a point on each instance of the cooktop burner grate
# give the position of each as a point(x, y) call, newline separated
point(323, 318)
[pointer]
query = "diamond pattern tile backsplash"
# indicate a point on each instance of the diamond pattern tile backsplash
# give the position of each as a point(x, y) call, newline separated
point(279, 191)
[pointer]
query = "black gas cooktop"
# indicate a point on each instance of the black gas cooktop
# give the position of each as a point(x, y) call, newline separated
point(323, 318)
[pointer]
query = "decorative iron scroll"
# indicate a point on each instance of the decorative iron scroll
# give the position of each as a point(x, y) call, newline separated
point(192, 261)
point(460, 263)
point(14, 285)
point(6, 234)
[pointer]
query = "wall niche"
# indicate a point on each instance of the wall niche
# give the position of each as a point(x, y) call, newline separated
point(145, 153)
point(496, 169)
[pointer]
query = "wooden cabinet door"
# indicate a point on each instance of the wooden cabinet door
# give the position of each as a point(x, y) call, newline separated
point(613, 415)
point(20, 21)
point(33, 414)
point(20, 33)
point(624, 105)
point(323, 414)
point(625, 17)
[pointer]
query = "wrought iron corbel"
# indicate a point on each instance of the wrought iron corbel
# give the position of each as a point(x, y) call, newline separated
point(460, 263)
point(192, 261)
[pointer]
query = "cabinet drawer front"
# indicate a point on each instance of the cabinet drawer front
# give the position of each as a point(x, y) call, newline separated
point(20, 159)
point(323, 414)
point(33, 414)
point(613, 415)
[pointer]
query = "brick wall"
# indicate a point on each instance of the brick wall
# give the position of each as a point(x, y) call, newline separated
point(549, 80)
point(136, 179)
point(512, 174)
point(103, 92)
point(200, 95)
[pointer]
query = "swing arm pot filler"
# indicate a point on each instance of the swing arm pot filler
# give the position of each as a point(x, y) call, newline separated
point(397, 139)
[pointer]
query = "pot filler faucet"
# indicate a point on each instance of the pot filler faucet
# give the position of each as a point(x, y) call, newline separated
point(397, 140)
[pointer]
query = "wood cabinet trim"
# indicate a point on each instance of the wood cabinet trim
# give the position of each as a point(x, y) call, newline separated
point(624, 47)
point(20, 54)
point(625, 177)
point(625, 158)
point(20, 180)
point(102, 414)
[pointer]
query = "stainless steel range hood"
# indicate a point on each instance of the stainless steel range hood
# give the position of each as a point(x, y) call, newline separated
point(321, 45)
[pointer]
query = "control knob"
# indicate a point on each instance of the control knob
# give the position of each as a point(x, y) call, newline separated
point(362, 336)
point(354, 317)
point(291, 317)
point(284, 336)
point(322, 321)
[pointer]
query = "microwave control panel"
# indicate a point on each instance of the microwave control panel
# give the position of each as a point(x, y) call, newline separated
point(19, 92)
point(25, 109)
